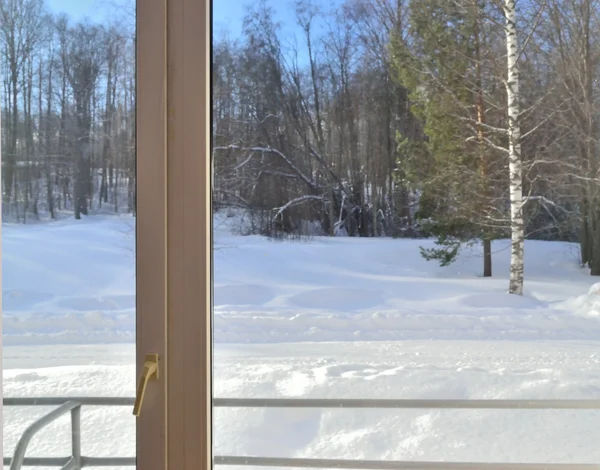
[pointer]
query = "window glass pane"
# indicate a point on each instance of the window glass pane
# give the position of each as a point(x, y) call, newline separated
point(405, 207)
point(68, 223)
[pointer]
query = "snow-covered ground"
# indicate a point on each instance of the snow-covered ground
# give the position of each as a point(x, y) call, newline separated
point(75, 283)
point(69, 282)
point(350, 289)
point(348, 318)
point(411, 369)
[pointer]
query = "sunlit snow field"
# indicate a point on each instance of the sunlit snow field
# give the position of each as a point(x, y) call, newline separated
point(344, 318)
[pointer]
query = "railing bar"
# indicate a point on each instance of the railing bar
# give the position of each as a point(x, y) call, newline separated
point(85, 461)
point(390, 465)
point(72, 403)
point(328, 403)
point(40, 461)
point(71, 465)
point(406, 403)
point(108, 461)
point(19, 453)
point(76, 436)
point(55, 401)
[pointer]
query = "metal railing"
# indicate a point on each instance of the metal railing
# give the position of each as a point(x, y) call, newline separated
point(65, 405)
point(400, 404)
point(77, 462)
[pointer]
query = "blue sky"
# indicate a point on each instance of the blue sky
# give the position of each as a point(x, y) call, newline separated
point(79, 9)
point(227, 14)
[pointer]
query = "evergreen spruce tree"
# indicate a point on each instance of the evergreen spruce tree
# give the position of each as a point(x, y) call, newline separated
point(441, 62)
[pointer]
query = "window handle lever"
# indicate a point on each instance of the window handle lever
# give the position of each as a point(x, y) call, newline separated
point(150, 371)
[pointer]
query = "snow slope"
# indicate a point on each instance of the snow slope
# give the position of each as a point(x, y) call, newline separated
point(349, 289)
point(348, 318)
point(69, 281)
point(72, 282)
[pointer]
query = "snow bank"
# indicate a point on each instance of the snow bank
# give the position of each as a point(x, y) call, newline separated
point(587, 305)
point(414, 369)
point(69, 281)
point(74, 282)
point(343, 289)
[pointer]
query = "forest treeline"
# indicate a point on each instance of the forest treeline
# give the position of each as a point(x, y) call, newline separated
point(68, 113)
point(466, 120)
point(408, 118)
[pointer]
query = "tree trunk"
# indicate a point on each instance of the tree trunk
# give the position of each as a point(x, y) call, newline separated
point(585, 230)
point(10, 159)
point(47, 160)
point(107, 131)
point(487, 243)
point(332, 213)
point(514, 157)
point(595, 243)
point(487, 257)
point(591, 215)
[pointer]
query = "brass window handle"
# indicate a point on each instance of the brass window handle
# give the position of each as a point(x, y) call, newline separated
point(150, 371)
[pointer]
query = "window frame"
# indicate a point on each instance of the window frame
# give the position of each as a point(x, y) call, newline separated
point(174, 233)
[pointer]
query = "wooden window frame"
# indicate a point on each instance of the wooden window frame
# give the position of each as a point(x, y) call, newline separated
point(174, 235)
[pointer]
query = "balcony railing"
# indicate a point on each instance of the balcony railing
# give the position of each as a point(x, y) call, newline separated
point(65, 405)
point(76, 461)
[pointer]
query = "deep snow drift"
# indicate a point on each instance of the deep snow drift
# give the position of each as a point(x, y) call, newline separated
point(70, 282)
point(348, 318)
point(349, 289)
point(412, 369)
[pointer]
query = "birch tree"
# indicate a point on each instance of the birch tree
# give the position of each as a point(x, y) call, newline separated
point(514, 148)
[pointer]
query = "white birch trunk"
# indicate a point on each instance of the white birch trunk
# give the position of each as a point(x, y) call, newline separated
point(514, 157)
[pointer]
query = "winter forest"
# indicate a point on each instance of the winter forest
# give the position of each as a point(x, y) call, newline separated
point(463, 120)
point(466, 120)
point(405, 249)
point(68, 113)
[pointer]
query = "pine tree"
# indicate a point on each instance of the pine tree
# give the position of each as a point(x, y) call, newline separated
point(451, 167)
